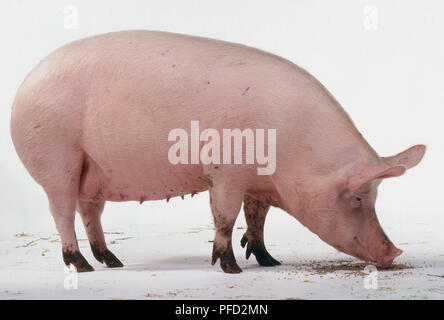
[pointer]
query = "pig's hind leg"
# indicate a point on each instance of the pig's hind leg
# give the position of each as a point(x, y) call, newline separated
point(225, 203)
point(61, 185)
point(49, 150)
point(255, 214)
point(90, 211)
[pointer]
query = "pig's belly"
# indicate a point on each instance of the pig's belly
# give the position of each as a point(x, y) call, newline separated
point(133, 181)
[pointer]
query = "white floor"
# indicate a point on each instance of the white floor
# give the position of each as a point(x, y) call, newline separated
point(166, 251)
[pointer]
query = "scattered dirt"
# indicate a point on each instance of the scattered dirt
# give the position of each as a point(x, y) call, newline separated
point(353, 268)
point(436, 275)
point(413, 243)
point(153, 295)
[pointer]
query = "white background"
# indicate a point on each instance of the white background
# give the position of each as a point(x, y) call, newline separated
point(389, 79)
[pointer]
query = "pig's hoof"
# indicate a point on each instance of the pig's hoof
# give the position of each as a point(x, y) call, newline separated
point(107, 257)
point(85, 268)
point(227, 261)
point(262, 256)
point(230, 267)
point(77, 260)
point(111, 260)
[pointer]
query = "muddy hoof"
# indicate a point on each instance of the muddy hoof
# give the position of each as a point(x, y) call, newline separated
point(262, 256)
point(77, 260)
point(107, 257)
point(85, 268)
point(227, 261)
point(111, 260)
point(230, 267)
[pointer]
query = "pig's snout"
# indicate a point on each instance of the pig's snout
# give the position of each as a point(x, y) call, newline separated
point(386, 261)
point(382, 250)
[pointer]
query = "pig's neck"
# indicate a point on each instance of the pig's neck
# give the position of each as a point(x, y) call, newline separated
point(326, 146)
point(319, 171)
point(336, 141)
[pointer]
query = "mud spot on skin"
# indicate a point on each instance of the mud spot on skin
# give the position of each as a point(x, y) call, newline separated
point(37, 126)
point(386, 241)
point(266, 199)
point(224, 228)
point(208, 180)
point(355, 239)
point(307, 147)
point(164, 52)
point(99, 195)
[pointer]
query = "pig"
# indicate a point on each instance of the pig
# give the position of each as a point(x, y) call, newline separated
point(91, 124)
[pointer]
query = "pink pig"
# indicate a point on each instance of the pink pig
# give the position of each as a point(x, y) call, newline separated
point(91, 124)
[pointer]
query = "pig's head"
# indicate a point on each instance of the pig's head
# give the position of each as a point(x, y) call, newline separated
point(345, 217)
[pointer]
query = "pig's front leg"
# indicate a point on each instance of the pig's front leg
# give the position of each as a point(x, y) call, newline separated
point(255, 214)
point(226, 202)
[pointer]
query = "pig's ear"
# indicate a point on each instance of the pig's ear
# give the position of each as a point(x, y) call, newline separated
point(408, 158)
point(369, 174)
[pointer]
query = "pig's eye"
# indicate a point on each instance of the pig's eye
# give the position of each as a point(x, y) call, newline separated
point(356, 201)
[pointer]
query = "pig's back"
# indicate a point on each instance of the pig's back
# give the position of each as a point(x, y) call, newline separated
point(118, 96)
point(150, 83)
